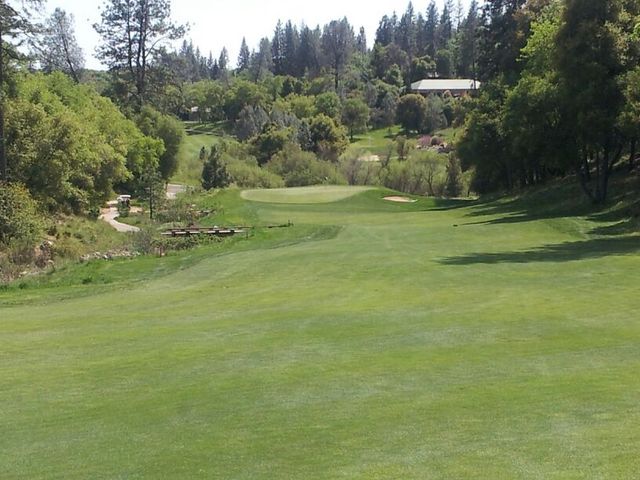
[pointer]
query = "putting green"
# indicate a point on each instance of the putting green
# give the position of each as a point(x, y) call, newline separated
point(306, 195)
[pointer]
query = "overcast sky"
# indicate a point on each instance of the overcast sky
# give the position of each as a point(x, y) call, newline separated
point(222, 23)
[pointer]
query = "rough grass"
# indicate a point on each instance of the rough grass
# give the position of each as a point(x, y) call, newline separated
point(372, 340)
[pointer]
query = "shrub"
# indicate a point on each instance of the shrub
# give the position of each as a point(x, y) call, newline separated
point(299, 168)
point(246, 175)
point(19, 218)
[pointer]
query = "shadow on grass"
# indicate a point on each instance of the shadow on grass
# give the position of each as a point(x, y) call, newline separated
point(566, 199)
point(561, 252)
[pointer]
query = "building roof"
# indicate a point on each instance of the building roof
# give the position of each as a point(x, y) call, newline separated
point(438, 84)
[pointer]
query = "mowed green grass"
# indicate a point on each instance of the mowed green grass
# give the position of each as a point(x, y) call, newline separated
point(430, 340)
point(303, 195)
point(198, 135)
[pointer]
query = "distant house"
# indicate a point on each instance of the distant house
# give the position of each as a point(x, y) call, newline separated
point(457, 87)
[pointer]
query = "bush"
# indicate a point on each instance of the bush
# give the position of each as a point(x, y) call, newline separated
point(422, 174)
point(19, 218)
point(299, 168)
point(245, 175)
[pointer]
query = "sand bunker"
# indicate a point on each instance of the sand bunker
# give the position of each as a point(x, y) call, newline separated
point(400, 199)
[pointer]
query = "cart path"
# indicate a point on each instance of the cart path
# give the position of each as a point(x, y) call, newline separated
point(110, 214)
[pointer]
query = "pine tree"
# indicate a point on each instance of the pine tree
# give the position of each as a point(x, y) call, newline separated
point(431, 30)
point(277, 49)
point(244, 57)
point(58, 49)
point(214, 171)
point(132, 33)
point(290, 50)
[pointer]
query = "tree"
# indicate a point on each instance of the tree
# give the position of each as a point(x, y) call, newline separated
point(163, 127)
point(328, 138)
point(431, 30)
point(309, 51)
point(132, 32)
point(261, 61)
point(502, 36)
point(329, 104)
point(361, 42)
point(454, 185)
point(223, 64)
point(277, 49)
point(250, 122)
point(270, 141)
point(445, 28)
point(407, 37)
point(244, 57)
point(66, 144)
point(411, 112)
point(355, 115)
point(58, 48)
point(214, 172)
point(337, 45)
point(15, 25)
point(591, 74)
point(19, 217)
point(468, 40)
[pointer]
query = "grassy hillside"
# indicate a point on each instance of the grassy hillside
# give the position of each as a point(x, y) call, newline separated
point(198, 135)
point(370, 340)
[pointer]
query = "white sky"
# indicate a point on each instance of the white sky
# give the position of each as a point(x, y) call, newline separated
point(222, 23)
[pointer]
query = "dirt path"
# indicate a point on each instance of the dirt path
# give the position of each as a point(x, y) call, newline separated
point(110, 214)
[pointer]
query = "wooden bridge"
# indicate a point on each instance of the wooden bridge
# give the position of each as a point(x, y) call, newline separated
point(214, 231)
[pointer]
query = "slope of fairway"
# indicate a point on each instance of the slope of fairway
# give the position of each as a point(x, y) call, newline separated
point(304, 195)
point(430, 340)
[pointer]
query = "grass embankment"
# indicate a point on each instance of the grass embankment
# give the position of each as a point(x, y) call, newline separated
point(423, 340)
point(198, 135)
point(379, 141)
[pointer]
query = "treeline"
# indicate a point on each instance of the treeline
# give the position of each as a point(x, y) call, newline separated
point(64, 148)
point(562, 94)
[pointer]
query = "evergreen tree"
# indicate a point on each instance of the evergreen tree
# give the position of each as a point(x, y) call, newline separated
point(277, 50)
point(386, 33)
point(337, 45)
point(132, 33)
point(501, 40)
point(261, 61)
point(406, 36)
point(214, 171)
point(290, 50)
point(361, 42)
point(223, 64)
point(445, 27)
point(468, 43)
point(58, 49)
point(309, 51)
point(244, 57)
point(431, 30)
